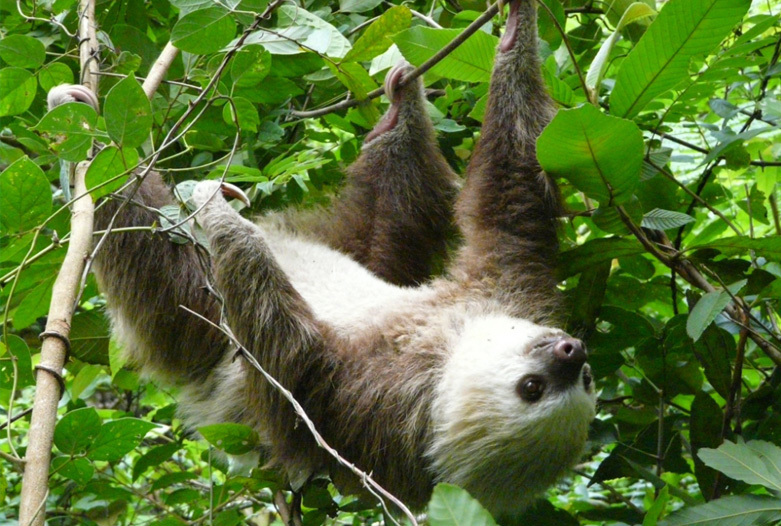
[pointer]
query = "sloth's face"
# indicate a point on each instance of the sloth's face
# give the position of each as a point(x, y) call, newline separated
point(515, 398)
point(515, 366)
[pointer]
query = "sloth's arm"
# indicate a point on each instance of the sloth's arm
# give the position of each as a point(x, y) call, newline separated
point(147, 278)
point(395, 213)
point(508, 207)
point(274, 323)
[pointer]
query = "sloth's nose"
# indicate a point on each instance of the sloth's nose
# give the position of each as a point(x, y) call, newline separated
point(569, 356)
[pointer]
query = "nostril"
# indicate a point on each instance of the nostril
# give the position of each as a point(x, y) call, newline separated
point(570, 350)
point(569, 355)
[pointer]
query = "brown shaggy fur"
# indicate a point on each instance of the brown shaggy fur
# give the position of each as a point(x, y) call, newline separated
point(396, 212)
point(370, 392)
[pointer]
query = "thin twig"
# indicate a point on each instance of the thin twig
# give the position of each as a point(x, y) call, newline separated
point(570, 51)
point(427, 19)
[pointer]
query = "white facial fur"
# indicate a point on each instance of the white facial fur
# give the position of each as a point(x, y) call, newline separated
point(501, 448)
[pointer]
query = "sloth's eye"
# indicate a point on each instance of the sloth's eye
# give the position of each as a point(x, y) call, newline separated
point(587, 378)
point(530, 388)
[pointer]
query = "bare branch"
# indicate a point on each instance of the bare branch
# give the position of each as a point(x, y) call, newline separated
point(158, 71)
point(54, 351)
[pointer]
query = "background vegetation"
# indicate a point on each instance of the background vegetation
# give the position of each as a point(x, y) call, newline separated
point(667, 151)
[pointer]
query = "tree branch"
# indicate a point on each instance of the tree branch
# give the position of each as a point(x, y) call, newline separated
point(32, 510)
point(420, 70)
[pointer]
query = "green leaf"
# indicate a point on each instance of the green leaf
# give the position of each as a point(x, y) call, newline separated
point(684, 29)
point(472, 61)
point(743, 510)
point(651, 518)
point(768, 246)
point(600, 155)
point(54, 74)
point(76, 430)
point(118, 438)
point(376, 39)
point(72, 126)
point(355, 78)
point(77, 469)
point(250, 66)
point(304, 32)
point(204, 31)
point(246, 113)
point(84, 379)
point(128, 113)
point(22, 51)
point(90, 336)
point(593, 252)
point(25, 196)
point(658, 219)
point(109, 170)
point(154, 457)
point(188, 6)
point(17, 91)
point(15, 346)
point(453, 506)
point(35, 304)
point(358, 6)
point(706, 310)
point(234, 439)
point(755, 462)
point(635, 12)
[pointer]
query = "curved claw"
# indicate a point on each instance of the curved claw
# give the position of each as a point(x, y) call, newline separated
point(230, 190)
point(71, 93)
point(394, 76)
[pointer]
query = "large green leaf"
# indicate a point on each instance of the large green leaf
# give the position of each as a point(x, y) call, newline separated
point(22, 51)
point(76, 430)
point(25, 196)
point(17, 90)
point(453, 506)
point(684, 29)
point(234, 439)
point(755, 462)
point(742, 510)
point(72, 127)
point(118, 437)
point(634, 13)
point(600, 155)
point(54, 74)
point(204, 31)
point(706, 310)
point(472, 61)
point(376, 39)
point(128, 113)
point(302, 32)
point(105, 172)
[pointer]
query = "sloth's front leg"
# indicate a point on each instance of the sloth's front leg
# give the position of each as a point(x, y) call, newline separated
point(265, 312)
point(273, 322)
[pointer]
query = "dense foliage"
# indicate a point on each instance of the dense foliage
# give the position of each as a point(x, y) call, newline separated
point(667, 151)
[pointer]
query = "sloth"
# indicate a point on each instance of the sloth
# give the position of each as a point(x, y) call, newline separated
point(462, 378)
